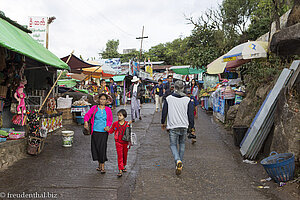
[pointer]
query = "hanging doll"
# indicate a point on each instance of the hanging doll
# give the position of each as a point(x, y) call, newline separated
point(20, 96)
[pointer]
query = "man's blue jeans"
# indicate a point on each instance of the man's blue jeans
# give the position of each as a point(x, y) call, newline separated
point(177, 136)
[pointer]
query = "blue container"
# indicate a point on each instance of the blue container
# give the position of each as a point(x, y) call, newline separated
point(279, 167)
point(80, 119)
point(2, 139)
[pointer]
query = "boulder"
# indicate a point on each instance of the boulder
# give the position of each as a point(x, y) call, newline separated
point(287, 41)
point(231, 113)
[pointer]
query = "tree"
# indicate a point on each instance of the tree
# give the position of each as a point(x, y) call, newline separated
point(111, 50)
point(237, 14)
point(126, 57)
point(262, 17)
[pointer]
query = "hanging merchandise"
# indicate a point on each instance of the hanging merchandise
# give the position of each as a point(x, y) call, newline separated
point(20, 96)
point(2, 58)
point(1, 121)
point(1, 105)
point(33, 123)
point(187, 78)
point(17, 120)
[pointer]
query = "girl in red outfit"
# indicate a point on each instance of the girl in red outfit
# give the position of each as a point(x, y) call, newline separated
point(118, 128)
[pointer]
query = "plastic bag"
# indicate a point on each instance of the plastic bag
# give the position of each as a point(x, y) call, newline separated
point(133, 139)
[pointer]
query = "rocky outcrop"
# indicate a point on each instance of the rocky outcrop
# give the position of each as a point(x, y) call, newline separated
point(250, 106)
point(287, 41)
point(286, 136)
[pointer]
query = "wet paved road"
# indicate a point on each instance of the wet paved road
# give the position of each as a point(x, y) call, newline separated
point(213, 168)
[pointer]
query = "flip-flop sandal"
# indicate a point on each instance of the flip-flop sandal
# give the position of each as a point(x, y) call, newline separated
point(102, 171)
point(119, 174)
point(98, 169)
point(124, 170)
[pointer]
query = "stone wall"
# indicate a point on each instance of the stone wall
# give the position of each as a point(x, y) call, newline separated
point(11, 151)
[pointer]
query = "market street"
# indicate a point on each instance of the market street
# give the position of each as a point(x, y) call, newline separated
point(213, 167)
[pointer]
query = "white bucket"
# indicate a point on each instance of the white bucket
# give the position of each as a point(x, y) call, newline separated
point(67, 137)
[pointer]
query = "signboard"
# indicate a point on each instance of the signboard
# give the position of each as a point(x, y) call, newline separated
point(38, 26)
point(111, 66)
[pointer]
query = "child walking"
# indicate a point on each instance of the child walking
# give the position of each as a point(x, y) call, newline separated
point(122, 147)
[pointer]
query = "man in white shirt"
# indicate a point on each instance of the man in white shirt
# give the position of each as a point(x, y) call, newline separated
point(179, 112)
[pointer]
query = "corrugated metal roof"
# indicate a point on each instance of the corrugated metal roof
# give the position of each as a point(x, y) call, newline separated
point(264, 119)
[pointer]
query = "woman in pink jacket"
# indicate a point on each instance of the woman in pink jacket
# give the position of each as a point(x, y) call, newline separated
point(101, 119)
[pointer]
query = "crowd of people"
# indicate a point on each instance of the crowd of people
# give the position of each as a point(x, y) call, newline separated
point(177, 101)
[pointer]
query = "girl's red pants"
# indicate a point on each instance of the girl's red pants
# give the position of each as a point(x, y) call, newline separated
point(122, 151)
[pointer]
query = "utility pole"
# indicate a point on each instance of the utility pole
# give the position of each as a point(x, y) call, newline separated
point(49, 21)
point(141, 38)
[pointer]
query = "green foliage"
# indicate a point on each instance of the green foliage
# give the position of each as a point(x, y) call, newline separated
point(111, 50)
point(262, 71)
point(236, 14)
point(126, 57)
point(262, 17)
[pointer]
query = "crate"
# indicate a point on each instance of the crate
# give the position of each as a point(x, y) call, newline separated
point(66, 113)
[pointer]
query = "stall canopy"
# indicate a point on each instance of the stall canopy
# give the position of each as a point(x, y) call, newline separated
point(247, 50)
point(19, 41)
point(119, 78)
point(218, 66)
point(186, 70)
point(76, 64)
point(67, 82)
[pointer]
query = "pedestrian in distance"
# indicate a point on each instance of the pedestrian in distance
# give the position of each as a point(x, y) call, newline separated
point(141, 99)
point(167, 85)
point(101, 119)
point(135, 95)
point(158, 90)
point(113, 91)
point(169, 91)
point(194, 89)
point(178, 110)
point(191, 132)
point(122, 147)
point(103, 89)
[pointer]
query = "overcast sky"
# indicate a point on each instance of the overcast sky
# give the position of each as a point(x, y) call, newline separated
point(86, 25)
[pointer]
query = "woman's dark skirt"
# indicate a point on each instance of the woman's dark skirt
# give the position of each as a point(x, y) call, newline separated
point(99, 146)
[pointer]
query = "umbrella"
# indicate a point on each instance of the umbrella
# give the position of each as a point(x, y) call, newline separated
point(218, 66)
point(247, 50)
point(186, 70)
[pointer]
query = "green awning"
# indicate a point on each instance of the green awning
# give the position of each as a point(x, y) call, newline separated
point(119, 78)
point(67, 82)
point(186, 70)
point(18, 41)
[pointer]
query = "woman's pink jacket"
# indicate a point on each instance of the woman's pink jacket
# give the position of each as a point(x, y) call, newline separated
point(92, 112)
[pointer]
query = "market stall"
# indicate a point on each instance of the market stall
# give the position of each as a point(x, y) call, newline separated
point(27, 72)
point(224, 96)
point(80, 108)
